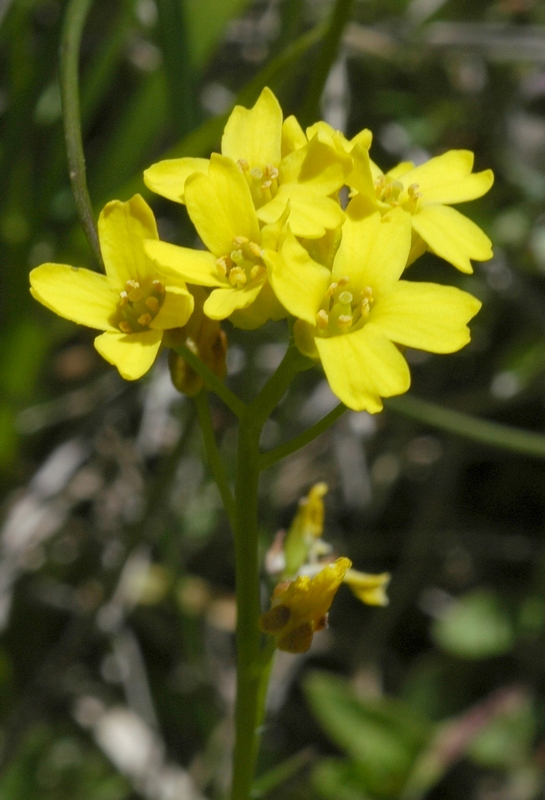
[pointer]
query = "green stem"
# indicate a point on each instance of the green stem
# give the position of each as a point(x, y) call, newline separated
point(70, 45)
point(324, 60)
point(214, 460)
point(252, 661)
point(211, 380)
point(293, 445)
point(479, 430)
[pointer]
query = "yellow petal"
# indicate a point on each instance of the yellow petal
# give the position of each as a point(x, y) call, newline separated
point(220, 206)
point(360, 177)
point(362, 366)
point(175, 310)
point(452, 236)
point(370, 589)
point(76, 294)
point(122, 228)
point(255, 134)
point(401, 169)
point(293, 136)
point(265, 307)
point(299, 282)
point(194, 266)
point(168, 177)
point(426, 316)
point(222, 302)
point(448, 178)
point(374, 248)
point(319, 165)
point(311, 213)
point(133, 354)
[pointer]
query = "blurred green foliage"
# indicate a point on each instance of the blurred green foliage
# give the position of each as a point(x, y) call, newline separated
point(116, 568)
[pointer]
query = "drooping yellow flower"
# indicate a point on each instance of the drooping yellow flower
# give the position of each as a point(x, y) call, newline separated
point(427, 193)
point(134, 303)
point(303, 541)
point(370, 589)
point(352, 317)
point(220, 206)
point(299, 608)
point(307, 177)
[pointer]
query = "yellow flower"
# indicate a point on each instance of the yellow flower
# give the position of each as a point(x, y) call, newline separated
point(307, 177)
point(299, 608)
point(353, 316)
point(134, 303)
point(370, 589)
point(426, 192)
point(303, 541)
point(221, 208)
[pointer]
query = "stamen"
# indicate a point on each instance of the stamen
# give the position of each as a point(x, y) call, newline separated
point(344, 320)
point(255, 250)
point(144, 320)
point(158, 287)
point(256, 271)
point(331, 290)
point(237, 277)
point(153, 304)
point(243, 165)
point(322, 318)
point(221, 264)
point(240, 241)
point(343, 281)
point(124, 298)
point(125, 327)
point(257, 173)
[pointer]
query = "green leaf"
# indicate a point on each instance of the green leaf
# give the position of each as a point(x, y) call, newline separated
point(477, 626)
point(334, 779)
point(383, 736)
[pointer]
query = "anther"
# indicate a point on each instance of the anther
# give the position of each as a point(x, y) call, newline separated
point(255, 250)
point(344, 320)
point(237, 256)
point(125, 327)
point(153, 304)
point(256, 271)
point(158, 287)
point(322, 318)
point(331, 291)
point(124, 298)
point(237, 277)
point(144, 320)
point(240, 241)
point(343, 281)
point(266, 184)
point(257, 173)
point(221, 264)
point(243, 165)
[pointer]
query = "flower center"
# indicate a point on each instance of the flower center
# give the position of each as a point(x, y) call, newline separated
point(343, 310)
point(138, 305)
point(389, 190)
point(263, 182)
point(243, 264)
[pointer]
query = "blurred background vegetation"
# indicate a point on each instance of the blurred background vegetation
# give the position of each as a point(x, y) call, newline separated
point(116, 567)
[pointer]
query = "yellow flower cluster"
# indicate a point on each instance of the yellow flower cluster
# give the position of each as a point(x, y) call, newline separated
point(279, 243)
point(309, 579)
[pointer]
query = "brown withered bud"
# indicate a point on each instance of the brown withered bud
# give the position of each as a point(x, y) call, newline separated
point(204, 337)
